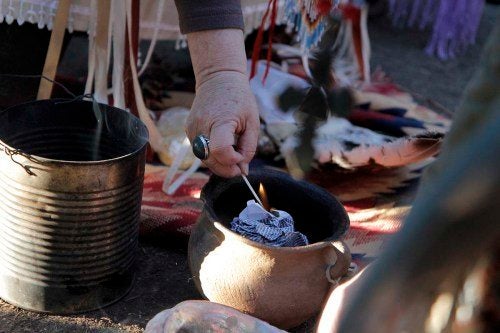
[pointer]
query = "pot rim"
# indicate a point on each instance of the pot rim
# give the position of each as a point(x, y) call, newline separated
point(343, 222)
point(302, 248)
point(45, 160)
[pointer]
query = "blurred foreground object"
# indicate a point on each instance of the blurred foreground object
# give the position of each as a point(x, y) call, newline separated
point(421, 282)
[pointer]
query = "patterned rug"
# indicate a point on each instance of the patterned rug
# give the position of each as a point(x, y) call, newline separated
point(169, 217)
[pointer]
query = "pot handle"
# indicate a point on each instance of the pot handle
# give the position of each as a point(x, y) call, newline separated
point(335, 272)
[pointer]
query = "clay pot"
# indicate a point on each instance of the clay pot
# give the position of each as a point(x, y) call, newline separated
point(284, 286)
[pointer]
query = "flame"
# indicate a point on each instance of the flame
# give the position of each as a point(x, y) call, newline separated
point(263, 197)
point(196, 194)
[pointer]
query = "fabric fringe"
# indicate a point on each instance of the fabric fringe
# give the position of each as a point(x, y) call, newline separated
point(155, 138)
point(154, 39)
point(40, 12)
point(345, 68)
point(102, 51)
point(271, 9)
point(365, 44)
point(120, 30)
point(454, 22)
point(307, 18)
point(253, 16)
point(91, 58)
point(118, 22)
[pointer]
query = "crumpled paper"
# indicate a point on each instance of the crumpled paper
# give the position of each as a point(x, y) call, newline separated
point(275, 228)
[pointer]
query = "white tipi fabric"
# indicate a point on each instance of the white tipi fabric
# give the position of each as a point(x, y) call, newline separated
point(42, 13)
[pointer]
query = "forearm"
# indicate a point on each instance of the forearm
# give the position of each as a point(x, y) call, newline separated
point(216, 51)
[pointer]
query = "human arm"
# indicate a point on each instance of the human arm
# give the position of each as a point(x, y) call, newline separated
point(224, 108)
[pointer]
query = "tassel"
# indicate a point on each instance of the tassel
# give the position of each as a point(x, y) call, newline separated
point(324, 7)
point(257, 46)
point(274, 14)
point(308, 18)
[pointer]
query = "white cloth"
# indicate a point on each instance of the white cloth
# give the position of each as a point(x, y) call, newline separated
point(42, 12)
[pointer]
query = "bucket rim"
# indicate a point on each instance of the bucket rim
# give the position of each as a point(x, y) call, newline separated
point(10, 151)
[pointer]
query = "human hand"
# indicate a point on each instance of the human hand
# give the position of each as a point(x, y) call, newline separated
point(225, 111)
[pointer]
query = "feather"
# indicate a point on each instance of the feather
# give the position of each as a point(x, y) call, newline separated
point(339, 142)
point(397, 153)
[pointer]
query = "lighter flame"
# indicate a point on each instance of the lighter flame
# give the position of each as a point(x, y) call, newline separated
point(263, 197)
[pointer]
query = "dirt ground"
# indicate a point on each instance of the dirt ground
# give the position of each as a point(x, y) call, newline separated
point(163, 277)
point(162, 281)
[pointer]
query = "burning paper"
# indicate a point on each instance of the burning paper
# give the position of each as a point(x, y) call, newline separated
point(275, 228)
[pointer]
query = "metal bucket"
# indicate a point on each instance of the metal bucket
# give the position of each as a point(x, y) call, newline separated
point(69, 204)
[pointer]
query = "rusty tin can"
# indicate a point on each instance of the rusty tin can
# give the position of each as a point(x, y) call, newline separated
point(70, 195)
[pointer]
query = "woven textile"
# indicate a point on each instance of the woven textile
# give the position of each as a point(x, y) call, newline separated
point(165, 216)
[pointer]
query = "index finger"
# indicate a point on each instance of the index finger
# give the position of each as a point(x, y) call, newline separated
point(221, 147)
